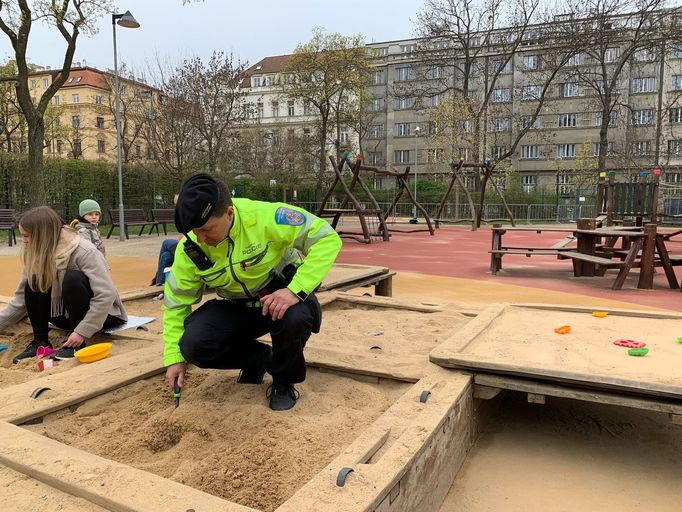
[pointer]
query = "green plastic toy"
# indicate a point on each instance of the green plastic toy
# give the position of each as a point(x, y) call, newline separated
point(638, 352)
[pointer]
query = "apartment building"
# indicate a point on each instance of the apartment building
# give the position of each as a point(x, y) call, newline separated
point(80, 122)
point(565, 135)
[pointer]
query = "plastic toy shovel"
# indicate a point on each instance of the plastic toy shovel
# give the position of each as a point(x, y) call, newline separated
point(45, 351)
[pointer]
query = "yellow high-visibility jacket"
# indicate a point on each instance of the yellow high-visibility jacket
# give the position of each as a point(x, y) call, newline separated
point(263, 237)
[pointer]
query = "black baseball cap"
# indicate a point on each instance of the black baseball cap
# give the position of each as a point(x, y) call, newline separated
point(198, 197)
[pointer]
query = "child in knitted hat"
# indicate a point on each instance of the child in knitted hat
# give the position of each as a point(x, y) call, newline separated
point(89, 214)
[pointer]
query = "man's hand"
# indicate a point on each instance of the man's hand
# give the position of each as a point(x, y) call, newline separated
point(176, 371)
point(276, 304)
point(74, 340)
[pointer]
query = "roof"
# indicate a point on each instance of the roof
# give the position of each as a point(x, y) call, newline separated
point(80, 76)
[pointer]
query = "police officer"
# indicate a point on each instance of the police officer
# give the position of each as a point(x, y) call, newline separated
point(264, 261)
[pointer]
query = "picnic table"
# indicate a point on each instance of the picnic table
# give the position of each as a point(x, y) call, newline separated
point(596, 251)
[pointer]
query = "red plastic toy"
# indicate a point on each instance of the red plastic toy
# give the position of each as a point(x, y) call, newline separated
point(629, 343)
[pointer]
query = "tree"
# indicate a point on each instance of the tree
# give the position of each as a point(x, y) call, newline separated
point(10, 114)
point(70, 18)
point(211, 100)
point(615, 35)
point(326, 74)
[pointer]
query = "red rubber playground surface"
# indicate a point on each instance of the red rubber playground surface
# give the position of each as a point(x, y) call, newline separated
point(456, 251)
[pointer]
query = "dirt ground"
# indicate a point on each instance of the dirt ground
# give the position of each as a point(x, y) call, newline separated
point(239, 451)
point(568, 455)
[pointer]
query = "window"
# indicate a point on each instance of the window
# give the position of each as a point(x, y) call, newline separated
point(568, 90)
point(647, 84)
point(123, 90)
point(502, 67)
point(259, 110)
point(255, 81)
point(75, 98)
point(376, 131)
point(675, 147)
point(528, 181)
point(375, 157)
point(269, 80)
point(468, 126)
point(402, 156)
point(531, 62)
point(77, 150)
point(99, 122)
point(100, 146)
point(435, 72)
point(564, 182)
point(464, 153)
point(527, 120)
point(435, 155)
point(641, 148)
point(402, 74)
point(60, 146)
point(343, 135)
point(677, 51)
point(34, 84)
point(530, 92)
point(46, 83)
point(377, 105)
point(496, 152)
point(612, 54)
point(275, 108)
point(379, 77)
point(565, 150)
point(574, 60)
point(306, 108)
point(499, 124)
point(56, 99)
point(501, 95)
point(675, 115)
point(568, 120)
point(138, 151)
point(530, 151)
point(402, 129)
point(676, 84)
point(403, 103)
point(641, 117)
point(98, 100)
point(380, 52)
point(431, 128)
point(76, 121)
point(613, 117)
point(290, 108)
point(408, 48)
point(609, 148)
point(433, 101)
point(645, 55)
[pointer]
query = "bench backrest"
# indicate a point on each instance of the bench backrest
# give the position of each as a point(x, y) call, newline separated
point(163, 215)
point(8, 217)
point(131, 215)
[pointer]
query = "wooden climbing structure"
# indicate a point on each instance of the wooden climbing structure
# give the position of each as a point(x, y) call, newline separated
point(350, 205)
point(637, 200)
point(457, 177)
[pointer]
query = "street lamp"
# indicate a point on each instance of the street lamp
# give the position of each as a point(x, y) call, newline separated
point(416, 169)
point(125, 20)
point(558, 171)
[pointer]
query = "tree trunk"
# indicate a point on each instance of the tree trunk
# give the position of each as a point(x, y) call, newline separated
point(34, 168)
point(323, 158)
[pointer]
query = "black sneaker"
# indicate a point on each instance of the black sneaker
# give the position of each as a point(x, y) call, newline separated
point(30, 350)
point(66, 353)
point(255, 375)
point(282, 396)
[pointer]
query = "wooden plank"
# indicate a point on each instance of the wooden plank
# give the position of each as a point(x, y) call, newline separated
point(109, 484)
point(584, 395)
point(372, 280)
point(611, 311)
point(341, 274)
point(604, 262)
point(388, 302)
point(486, 392)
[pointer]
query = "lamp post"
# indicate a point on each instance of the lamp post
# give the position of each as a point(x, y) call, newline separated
point(558, 171)
point(416, 170)
point(125, 20)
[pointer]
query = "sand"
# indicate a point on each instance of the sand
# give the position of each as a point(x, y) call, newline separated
point(223, 439)
point(567, 456)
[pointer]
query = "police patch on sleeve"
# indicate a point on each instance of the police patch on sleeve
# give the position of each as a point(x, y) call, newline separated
point(289, 217)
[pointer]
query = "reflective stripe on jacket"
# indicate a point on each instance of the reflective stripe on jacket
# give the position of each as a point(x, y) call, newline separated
point(263, 237)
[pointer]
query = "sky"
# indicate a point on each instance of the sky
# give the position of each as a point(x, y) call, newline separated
point(251, 30)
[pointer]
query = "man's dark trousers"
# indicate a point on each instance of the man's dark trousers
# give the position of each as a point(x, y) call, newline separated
point(222, 334)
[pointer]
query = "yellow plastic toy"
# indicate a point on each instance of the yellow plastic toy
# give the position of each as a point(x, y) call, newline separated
point(93, 352)
point(599, 314)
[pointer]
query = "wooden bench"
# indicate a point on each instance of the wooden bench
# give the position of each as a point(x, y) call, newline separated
point(132, 217)
point(163, 216)
point(8, 221)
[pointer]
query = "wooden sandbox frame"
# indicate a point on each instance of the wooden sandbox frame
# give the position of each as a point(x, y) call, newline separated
point(396, 465)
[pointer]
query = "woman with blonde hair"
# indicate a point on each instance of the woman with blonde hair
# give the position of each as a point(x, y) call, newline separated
point(65, 280)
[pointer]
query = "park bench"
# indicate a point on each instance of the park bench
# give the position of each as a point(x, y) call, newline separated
point(163, 216)
point(132, 217)
point(8, 221)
